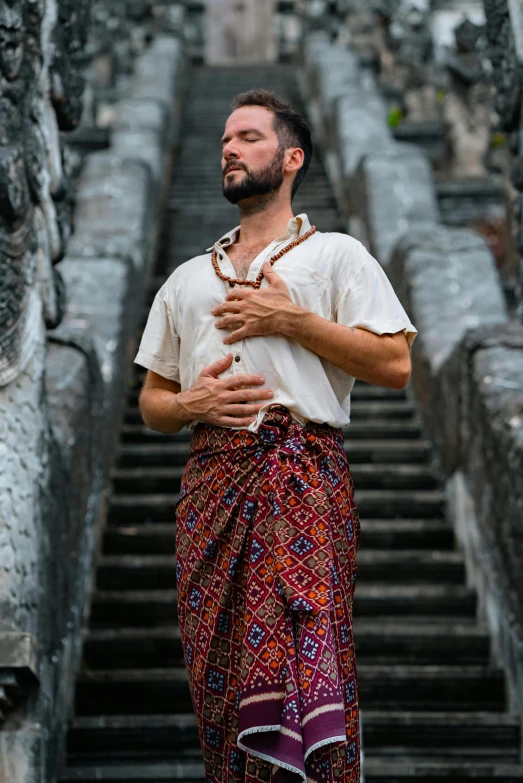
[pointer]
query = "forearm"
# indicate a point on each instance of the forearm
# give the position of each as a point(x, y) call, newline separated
point(163, 411)
point(373, 358)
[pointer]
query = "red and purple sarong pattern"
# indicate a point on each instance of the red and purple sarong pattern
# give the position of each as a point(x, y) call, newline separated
point(266, 540)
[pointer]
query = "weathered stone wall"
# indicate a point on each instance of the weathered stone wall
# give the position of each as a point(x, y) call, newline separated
point(468, 358)
point(40, 94)
point(41, 84)
point(63, 395)
point(505, 36)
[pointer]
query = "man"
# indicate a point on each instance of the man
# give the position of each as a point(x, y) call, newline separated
point(260, 359)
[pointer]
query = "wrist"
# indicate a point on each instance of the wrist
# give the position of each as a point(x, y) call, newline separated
point(291, 320)
point(182, 409)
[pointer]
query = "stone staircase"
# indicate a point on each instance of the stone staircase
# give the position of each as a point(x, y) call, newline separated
point(433, 702)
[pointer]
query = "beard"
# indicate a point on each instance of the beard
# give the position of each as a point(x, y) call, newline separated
point(256, 189)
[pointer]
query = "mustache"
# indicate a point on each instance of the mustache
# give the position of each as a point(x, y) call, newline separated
point(234, 166)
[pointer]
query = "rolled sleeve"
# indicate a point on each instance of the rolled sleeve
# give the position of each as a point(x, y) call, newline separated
point(370, 302)
point(159, 349)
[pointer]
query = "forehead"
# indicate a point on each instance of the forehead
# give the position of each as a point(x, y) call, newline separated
point(248, 117)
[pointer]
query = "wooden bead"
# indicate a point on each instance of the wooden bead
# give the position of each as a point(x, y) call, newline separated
point(257, 283)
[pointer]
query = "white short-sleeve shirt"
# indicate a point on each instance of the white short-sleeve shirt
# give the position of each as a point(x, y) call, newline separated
point(330, 274)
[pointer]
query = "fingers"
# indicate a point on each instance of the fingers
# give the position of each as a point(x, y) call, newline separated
point(238, 294)
point(214, 369)
point(275, 281)
point(227, 307)
point(267, 269)
point(229, 321)
point(249, 395)
point(242, 380)
point(269, 273)
point(239, 334)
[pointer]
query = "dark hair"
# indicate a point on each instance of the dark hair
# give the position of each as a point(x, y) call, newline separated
point(290, 127)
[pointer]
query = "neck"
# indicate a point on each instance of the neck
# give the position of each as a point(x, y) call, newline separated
point(265, 223)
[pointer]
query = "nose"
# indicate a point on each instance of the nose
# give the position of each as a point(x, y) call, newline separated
point(230, 150)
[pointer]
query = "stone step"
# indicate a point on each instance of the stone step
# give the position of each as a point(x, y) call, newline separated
point(386, 771)
point(361, 393)
point(185, 197)
point(410, 429)
point(406, 534)
point(147, 737)
point(387, 503)
point(375, 772)
point(380, 687)
point(158, 538)
point(187, 202)
point(158, 572)
point(469, 735)
point(360, 410)
point(360, 388)
point(415, 604)
point(211, 227)
point(173, 451)
point(186, 192)
point(133, 607)
point(159, 772)
point(377, 503)
point(389, 643)
point(209, 167)
point(369, 476)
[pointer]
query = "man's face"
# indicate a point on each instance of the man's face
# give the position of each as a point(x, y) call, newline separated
point(252, 157)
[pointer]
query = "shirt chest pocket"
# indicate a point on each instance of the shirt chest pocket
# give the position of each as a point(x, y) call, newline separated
point(310, 290)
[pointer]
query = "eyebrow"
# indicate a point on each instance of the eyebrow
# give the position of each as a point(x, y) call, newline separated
point(246, 132)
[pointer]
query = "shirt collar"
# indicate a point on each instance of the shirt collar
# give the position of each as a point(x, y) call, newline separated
point(296, 227)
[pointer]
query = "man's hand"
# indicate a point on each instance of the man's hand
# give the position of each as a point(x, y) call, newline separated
point(219, 400)
point(255, 312)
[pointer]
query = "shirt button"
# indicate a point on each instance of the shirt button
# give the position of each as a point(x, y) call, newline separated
point(237, 358)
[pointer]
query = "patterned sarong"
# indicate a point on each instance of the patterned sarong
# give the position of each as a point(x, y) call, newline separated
point(266, 540)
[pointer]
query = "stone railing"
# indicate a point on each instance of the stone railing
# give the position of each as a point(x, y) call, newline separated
point(505, 34)
point(468, 357)
point(61, 418)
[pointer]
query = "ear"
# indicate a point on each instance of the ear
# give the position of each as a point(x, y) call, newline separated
point(294, 157)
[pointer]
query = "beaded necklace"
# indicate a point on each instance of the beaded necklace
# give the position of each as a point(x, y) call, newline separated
point(256, 283)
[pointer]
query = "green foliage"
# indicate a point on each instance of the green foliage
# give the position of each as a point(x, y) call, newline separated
point(394, 117)
point(498, 139)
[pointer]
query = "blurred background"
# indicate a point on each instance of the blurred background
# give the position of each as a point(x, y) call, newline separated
point(111, 114)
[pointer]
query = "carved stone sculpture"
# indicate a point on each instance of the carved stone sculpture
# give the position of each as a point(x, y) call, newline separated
point(120, 33)
point(415, 61)
point(240, 31)
point(506, 55)
point(33, 93)
point(316, 15)
point(403, 40)
point(357, 29)
point(466, 108)
point(67, 77)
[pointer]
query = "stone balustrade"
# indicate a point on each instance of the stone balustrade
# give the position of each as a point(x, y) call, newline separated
point(468, 358)
point(61, 418)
